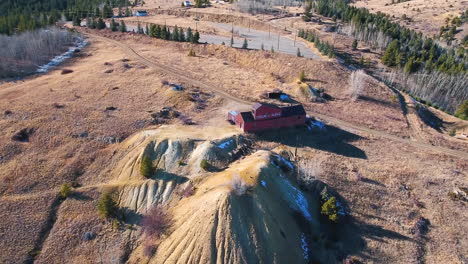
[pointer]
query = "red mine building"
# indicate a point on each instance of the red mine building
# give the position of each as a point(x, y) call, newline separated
point(268, 116)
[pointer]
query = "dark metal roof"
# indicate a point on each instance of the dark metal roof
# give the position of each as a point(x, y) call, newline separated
point(247, 117)
point(258, 105)
point(293, 110)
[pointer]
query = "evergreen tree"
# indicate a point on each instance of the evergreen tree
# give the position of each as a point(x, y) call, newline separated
point(232, 41)
point(181, 35)
point(298, 53)
point(76, 21)
point(114, 26)
point(355, 44)
point(101, 24)
point(189, 35)
point(127, 12)
point(107, 206)
point(158, 32)
point(245, 45)
point(146, 167)
point(123, 27)
point(390, 56)
point(146, 30)
point(196, 37)
point(175, 34)
point(152, 31)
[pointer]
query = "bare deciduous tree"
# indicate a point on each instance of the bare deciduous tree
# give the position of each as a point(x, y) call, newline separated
point(23, 53)
point(357, 81)
point(309, 170)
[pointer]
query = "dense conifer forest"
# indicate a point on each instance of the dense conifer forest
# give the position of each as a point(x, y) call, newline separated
point(18, 16)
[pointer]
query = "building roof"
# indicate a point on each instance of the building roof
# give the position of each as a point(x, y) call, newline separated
point(293, 110)
point(258, 105)
point(247, 117)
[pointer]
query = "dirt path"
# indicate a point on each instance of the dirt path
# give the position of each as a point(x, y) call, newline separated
point(183, 75)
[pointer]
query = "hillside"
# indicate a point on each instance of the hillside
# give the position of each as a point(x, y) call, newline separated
point(142, 121)
point(427, 16)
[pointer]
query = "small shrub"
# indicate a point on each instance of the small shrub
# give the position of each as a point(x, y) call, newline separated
point(204, 164)
point(452, 132)
point(146, 167)
point(330, 210)
point(462, 111)
point(180, 163)
point(107, 206)
point(394, 98)
point(156, 222)
point(191, 53)
point(65, 191)
point(115, 224)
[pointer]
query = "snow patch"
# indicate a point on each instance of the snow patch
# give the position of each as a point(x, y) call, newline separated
point(319, 124)
point(226, 144)
point(61, 58)
point(296, 199)
point(285, 161)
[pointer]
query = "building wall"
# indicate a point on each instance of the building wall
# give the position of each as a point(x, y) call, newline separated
point(265, 112)
point(259, 125)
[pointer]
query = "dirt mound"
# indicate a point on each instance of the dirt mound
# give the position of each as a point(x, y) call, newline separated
point(176, 153)
point(252, 212)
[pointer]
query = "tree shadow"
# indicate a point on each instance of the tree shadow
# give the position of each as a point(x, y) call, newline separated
point(333, 140)
point(377, 101)
point(167, 176)
point(130, 216)
point(80, 196)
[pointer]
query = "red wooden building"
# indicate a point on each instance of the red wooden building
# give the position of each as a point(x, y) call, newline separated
point(268, 116)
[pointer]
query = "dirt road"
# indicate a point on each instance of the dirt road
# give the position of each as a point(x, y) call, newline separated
point(185, 76)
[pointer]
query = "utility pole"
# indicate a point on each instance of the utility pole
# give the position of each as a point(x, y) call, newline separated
point(295, 35)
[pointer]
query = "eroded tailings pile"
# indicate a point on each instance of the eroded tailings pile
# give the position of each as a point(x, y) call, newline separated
point(245, 207)
point(173, 156)
point(249, 213)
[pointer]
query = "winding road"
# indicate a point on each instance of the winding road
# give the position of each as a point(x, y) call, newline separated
point(185, 76)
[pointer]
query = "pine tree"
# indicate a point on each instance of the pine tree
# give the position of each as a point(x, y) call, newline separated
point(181, 35)
point(390, 56)
point(175, 34)
point(107, 206)
point(189, 35)
point(355, 44)
point(232, 41)
point(196, 37)
point(146, 167)
point(123, 27)
point(245, 45)
point(158, 32)
point(146, 30)
point(76, 21)
point(101, 24)
point(114, 26)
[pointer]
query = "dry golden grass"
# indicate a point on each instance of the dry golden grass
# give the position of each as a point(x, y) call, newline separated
point(427, 15)
point(396, 172)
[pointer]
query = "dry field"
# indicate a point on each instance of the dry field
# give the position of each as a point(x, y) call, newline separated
point(110, 95)
point(427, 15)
